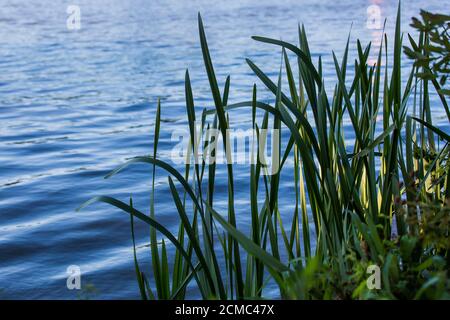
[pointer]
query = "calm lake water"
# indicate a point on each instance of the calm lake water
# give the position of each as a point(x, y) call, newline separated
point(74, 104)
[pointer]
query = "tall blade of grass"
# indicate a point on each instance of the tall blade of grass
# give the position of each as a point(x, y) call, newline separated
point(304, 57)
point(226, 91)
point(139, 276)
point(195, 142)
point(254, 178)
point(436, 130)
point(274, 265)
point(179, 292)
point(339, 96)
point(223, 127)
point(305, 219)
point(191, 234)
point(151, 295)
point(348, 103)
point(291, 81)
point(270, 109)
point(212, 166)
point(156, 265)
point(439, 89)
point(299, 116)
point(150, 221)
point(262, 217)
point(311, 172)
point(163, 165)
point(181, 268)
point(395, 87)
point(408, 174)
point(310, 80)
point(165, 271)
point(370, 163)
point(188, 189)
point(274, 179)
point(274, 185)
point(294, 235)
point(178, 266)
point(377, 141)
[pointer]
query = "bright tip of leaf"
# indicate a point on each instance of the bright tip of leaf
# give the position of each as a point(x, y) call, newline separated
point(85, 204)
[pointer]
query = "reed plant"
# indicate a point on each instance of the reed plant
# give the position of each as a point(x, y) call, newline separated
point(381, 199)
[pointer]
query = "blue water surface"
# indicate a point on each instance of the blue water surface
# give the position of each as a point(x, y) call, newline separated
point(74, 104)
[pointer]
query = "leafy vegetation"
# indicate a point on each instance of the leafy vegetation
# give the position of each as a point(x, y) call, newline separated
point(382, 199)
point(432, 52)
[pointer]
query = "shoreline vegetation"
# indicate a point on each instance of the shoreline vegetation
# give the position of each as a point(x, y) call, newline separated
point(371, 217)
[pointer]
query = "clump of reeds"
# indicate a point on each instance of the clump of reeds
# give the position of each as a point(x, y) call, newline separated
point(382, 200)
